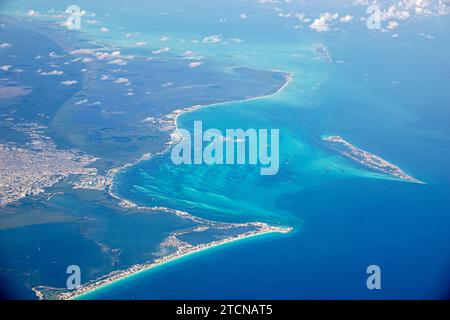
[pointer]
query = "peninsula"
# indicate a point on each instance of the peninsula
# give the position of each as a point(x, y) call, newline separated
point(367, 159)
point(183, 249)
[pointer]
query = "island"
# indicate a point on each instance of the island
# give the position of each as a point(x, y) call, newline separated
point(367, 159)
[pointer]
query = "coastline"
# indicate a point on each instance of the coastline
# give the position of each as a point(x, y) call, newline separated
point(117, 276)
point(111, 174)
point(368, 159)
point(177, 113)
point(384, 92)
point(128, 273)
point(120, 275)
point(210, 246)
point(176, 137)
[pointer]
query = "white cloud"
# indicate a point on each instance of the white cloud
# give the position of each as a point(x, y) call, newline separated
point(404, 9)
point(141, 43)
point(5, 45)
point(119, 62)
point(5, 68)
point(82, 51)
point(54, 55)
point(105, 55)
point(122, 80)
point(236, 40)
point(268, 1)
point(321, 24)
point(104, 29)
point(69, 82)
point(53, 73)
point(285, 15)
point(81, 102)
point(32, 13)
point(189, 53)
point(149, 119)
point(428, 36)
point(195, 64)
point(360, 2)
point(346, 18)
point(101, 55)
point(392, 25)
point(166, 49)
point(212, 39)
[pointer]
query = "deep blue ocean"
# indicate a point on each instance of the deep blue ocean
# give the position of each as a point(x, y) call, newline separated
point(344, 221)
point(387, 95)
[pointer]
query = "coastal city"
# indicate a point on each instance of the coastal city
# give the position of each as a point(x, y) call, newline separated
point(244, 149)
point(182, 249)
point(30, 169)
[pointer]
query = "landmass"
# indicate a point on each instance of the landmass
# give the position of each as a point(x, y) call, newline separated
point(368, 159)
point(29, 170)
point(182, 249)
point(63, 139)
point(168, 122)
point(323, 53)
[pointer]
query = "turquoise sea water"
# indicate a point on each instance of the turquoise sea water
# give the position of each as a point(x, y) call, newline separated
point(385, 95)
point(346, 219)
